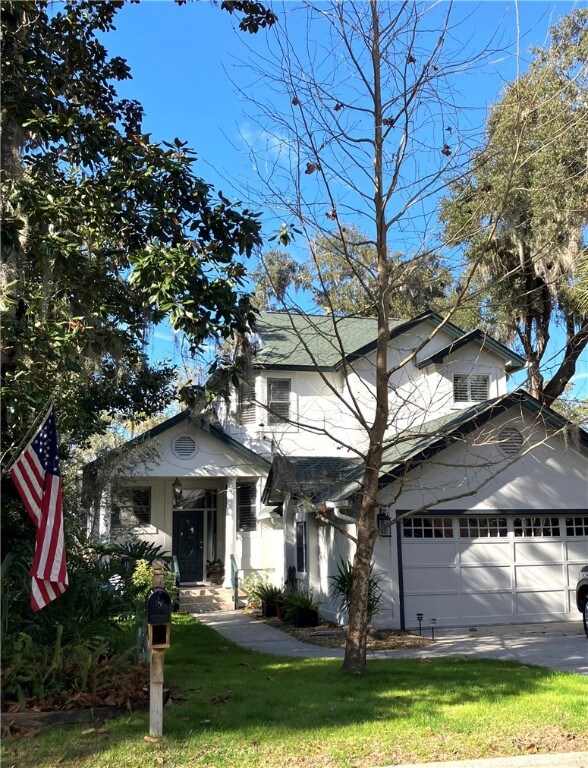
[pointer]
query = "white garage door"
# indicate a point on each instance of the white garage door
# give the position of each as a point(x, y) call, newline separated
point(505, 568)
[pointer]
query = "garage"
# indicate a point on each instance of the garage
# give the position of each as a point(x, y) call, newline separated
point(491, 567)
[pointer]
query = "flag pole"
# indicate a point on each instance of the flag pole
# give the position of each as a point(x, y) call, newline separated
point(30, 432)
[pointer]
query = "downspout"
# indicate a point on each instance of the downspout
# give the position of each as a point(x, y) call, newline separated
point(336, 507)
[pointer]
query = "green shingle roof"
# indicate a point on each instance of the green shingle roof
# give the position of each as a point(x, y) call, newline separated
point(322, 342)
point(311, 342)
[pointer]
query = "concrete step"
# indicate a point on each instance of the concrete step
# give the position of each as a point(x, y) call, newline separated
point(207, 598)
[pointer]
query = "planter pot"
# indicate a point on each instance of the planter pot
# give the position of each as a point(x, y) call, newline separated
point(269, 610)
point(217, 579)
point(306, 617)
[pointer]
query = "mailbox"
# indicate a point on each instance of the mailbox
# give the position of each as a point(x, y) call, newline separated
point(159, 611)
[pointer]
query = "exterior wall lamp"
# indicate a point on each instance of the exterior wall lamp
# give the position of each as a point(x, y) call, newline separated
point(177, 487)
point(382, 521)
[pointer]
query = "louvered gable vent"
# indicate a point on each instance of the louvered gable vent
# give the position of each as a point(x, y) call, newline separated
point(184, 447)
point(510, 441)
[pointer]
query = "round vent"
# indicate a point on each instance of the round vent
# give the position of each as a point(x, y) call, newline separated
point(184, 447)
point(510, 441)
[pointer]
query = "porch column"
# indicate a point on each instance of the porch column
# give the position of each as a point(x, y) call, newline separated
point(230, 527)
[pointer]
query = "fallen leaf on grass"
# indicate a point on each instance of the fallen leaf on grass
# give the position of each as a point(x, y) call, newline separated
point(205, 722)
point(222, 698)
point(94, 730)
point(532, 749)
point(224, 648)
point(270, 678)
point(151, 739)
point(159, 760)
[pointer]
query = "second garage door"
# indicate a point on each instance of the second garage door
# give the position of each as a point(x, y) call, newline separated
point(503, 567)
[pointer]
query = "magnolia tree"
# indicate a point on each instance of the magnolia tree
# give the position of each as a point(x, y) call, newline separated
point(360, 136)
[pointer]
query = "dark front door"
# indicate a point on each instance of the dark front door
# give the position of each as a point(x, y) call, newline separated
point(188, 544)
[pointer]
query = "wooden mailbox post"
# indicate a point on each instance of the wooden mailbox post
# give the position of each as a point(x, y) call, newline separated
point(159, 626)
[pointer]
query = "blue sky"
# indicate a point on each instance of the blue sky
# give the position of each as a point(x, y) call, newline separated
point(183, 58)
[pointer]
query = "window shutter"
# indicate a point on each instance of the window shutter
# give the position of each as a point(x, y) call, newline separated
point(479, 387)
point(469, 388)
point(247, 403)
point(460, 389)
point(246, 518)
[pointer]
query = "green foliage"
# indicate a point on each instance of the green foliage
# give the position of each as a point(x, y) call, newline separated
point(142, 580)
point(136, 549)
point(105, 232)
point(521, 215)
point(342, 587)
point(215, 568)
point(30, 670)
point(252, 585)
point(269, 593)
point(298, 598)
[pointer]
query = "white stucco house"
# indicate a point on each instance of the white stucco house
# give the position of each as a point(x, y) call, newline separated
point(497, 485)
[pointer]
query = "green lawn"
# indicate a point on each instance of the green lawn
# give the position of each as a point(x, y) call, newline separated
point(245, 709)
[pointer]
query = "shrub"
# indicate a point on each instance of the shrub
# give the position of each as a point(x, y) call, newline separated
point(142, 580)
point(342, 587)
point(215, 570)
point(269, 593)
point(300, 608)
point(251, 585)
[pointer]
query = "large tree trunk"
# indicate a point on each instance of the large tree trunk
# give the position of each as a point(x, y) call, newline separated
point(355, 648)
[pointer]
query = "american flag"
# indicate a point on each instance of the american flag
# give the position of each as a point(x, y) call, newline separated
point(37, 478)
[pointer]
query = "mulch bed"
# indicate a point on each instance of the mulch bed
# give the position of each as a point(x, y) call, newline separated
point(330, 635)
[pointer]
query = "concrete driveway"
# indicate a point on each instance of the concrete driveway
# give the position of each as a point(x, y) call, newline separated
point(562, 646)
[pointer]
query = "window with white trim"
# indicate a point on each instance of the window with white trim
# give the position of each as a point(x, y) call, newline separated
point(470, 388)
point(301, 547)
point(536, 527)
point(278, 400)
point(246, 505)
point(131, 507)
point(577, 526)
point(428, 528)
point(482, 527)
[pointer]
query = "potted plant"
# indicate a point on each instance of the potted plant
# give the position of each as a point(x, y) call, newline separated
point(215, 571)
point(300, 608)
point(272, 598)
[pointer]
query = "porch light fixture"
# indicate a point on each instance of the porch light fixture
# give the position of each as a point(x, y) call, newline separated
point(382, 520)
point(177, 486)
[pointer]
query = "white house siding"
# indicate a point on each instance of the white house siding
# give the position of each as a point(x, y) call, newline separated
point(479, 580)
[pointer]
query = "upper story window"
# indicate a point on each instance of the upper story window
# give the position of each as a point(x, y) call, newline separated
point(246, 517)
point(472, 388)
point(278, 400)
point(246, 407)
point(131, 507)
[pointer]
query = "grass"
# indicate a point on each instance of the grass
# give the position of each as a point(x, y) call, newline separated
point(245, 709)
